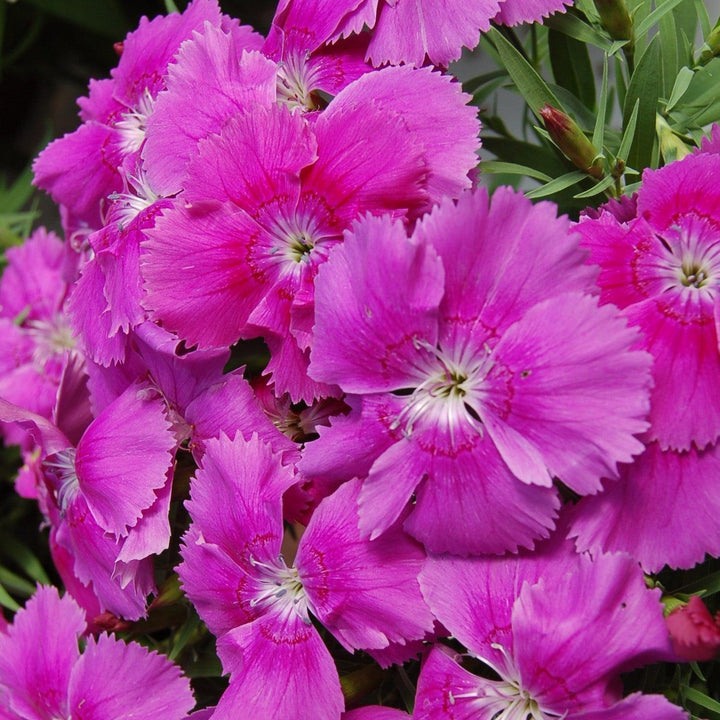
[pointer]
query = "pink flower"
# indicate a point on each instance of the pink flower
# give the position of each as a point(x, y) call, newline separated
point(473, 396)
point(43, 675)
point(556, 628)
point(366, 594)
point(694, 633)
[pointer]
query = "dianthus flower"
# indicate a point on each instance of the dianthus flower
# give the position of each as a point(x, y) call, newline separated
point(557, 628)
point(661, 267)
point(365, 593)
point(486, 370)
point(43, 675)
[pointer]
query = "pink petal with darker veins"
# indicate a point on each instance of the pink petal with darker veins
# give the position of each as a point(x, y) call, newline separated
point(564, 410)
point(279, 668)
point(116, 680)
point(230, 79)
point(117, 488)
point(447, 130)
point(365, 593)
point(662, 510)
point(468, 501)
point(380, 292)
point(514, 12)
point(408, 31)
point(37, 654)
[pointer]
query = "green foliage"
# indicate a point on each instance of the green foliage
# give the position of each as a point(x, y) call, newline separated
point(656, 96)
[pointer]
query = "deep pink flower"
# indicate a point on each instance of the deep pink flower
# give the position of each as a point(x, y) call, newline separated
point(694, 633)
point(365, 593)
point(663, 270)
point(473, 398)
point(558, 629)
point(43, 675)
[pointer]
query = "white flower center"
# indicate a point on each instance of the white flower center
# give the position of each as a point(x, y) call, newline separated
point(62, 466)
point(133, 123)
point(52, 337)
point(296, 80)
point(280, 589)
point(450, 394)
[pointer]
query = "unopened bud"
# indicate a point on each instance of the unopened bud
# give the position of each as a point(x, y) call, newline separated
point(711, 48)
point(671, 146)
point(572, 141)
point(694, 632)
point(615, 18)
point(118, 47)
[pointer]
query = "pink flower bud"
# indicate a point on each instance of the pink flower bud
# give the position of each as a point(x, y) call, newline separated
point(694, 634)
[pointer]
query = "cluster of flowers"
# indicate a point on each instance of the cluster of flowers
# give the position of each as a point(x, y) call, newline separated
point(445, 369)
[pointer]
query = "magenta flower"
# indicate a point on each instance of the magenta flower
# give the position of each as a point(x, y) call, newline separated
point(694, 633)
point(410, 31)
point(473, 399)
point(245, 245)
point(365, 593)
point(663, 270)
point(558, 630)
point(44, 676)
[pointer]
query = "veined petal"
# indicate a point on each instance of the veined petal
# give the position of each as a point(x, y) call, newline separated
point(662, 510)
point(365, 592)
point(126, 681)
point(279, 668)
point(37, 654)
point(376, 297)
point(117, 487)
point(567, 409)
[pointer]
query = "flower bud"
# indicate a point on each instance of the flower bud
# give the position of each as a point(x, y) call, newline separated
point(615, 18)
point(694, 634)
point(711, 47)
point(572, 141)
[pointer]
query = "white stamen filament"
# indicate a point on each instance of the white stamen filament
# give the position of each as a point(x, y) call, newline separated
point(280, 589)
point(132, 124)
point(62, 465)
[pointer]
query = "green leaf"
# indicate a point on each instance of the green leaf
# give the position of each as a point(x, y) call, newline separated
point(7, 601)
point(24, 558)
point(471, 85)
point(603, 185)
point(571, 66)
point(13, 198)
point(682, 83)
point(15, 583)
point(709, 585)
point(686, 19)
point(598, 137)
point(645, 88)
point(183, 635)
point(629, 133)
point(572, 26)
point(584, 117)
point(483, 92)
point(531, 86)
point(703, 17)
point(541, 158)
point(620, 84)
point(490, 167)
point(558, 184)
point(171, 7)
point(104, 18)
point(700, 698)
point(669, 53)
point(659, 12)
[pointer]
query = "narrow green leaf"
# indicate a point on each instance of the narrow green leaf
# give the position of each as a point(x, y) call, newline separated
point(682, 83)
point(644, 87)
point(603, 185)
point(598, 137)
point(7, 601)
point(703, 17)
point(571, 66)
point(13, 199)
point(25, 559)
point(15, 583)
point(629, 133)
point(620, 84)
point(183, 635)
point(686, 19)
point(708, 585)
point(583, 116)
point(531, 86)
point(698, 673)
point(482, 93)
point(170, 7)
point(493, 167)
point(700, 698)
point(471, 85)
point(558, 184)
point(659, 12)
point(541, 158)
point(572, 26)
point(639, 10)
point(669, 53)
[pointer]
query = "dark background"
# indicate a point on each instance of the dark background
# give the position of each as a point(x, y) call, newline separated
point(49, 49)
